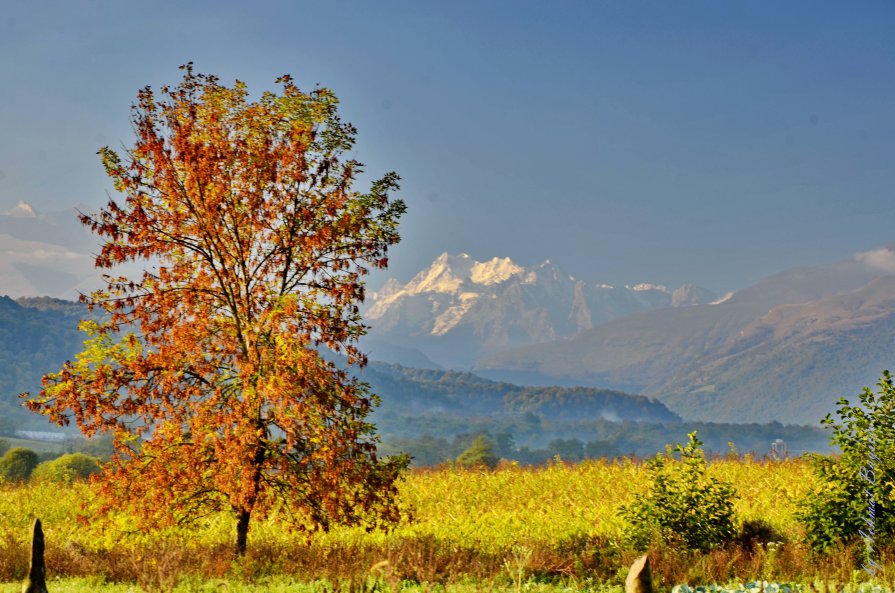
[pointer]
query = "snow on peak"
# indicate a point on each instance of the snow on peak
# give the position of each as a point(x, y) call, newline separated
point(456, 289)
point(495, 271)
point(21, 210)
point(723, 299)
point(389, 289)
point(645, 286)
point(452, 273)
point(446, 274)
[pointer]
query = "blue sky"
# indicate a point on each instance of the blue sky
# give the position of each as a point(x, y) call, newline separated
point(704, 142)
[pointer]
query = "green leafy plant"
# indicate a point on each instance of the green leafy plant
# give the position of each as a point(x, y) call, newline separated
point(683, 505)
point(853, 493)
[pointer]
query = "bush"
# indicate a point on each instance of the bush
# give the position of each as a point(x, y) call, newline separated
point(755, 533)
point(480, 453)
point(17, 464)
point(683, 505)
point(854, 490)
point(67, 468)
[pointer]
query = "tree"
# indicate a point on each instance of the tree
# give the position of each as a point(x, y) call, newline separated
point(853, 496)
point(566, 449)
point(208, 370)
point(479, 454)
point(683, 505)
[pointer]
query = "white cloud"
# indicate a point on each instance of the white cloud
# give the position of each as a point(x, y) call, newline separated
point(879, 259)
point(36, 268)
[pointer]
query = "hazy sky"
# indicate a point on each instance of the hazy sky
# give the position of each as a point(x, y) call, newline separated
point(707, 142)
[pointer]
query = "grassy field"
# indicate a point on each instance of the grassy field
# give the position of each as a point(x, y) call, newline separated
point(507, 530)
point(36, 446)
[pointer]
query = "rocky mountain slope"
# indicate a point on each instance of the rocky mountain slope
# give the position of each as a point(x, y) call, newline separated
point(782, 350)
point(458, 309)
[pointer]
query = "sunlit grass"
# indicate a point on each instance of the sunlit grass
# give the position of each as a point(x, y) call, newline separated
point(489, 528)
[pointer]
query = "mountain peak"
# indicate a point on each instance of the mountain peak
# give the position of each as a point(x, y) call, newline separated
point(389, 289)
point(459, 273)
point(447, 274)
point(494, 271)
point(457, 307)
point(21, 210)
point(646, 286)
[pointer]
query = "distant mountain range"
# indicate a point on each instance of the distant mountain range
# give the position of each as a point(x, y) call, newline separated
point(782, 350)
point(458, 309)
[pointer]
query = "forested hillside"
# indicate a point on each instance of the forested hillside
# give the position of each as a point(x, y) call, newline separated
point(435, 415)
point(36, 336)
point(432, 414)
point(414, 390)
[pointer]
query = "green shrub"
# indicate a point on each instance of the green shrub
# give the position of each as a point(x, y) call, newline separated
point(17, 464)
point(67, 468)
point(854, 490)
point(480, 453)
point(683, 505)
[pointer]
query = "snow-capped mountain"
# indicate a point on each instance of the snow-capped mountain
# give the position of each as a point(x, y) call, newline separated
point(459, 308)
point(784, 349)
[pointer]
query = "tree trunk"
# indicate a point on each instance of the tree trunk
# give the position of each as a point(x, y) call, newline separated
point(242, 531)
point(244, 514)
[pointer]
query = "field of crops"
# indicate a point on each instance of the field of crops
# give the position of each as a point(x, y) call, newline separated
point(514, 528)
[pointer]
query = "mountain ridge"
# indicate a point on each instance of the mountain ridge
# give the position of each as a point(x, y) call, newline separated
point(458, 309)
point(783, 349)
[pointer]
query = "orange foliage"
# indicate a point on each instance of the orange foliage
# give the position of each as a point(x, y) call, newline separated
point(207, 371)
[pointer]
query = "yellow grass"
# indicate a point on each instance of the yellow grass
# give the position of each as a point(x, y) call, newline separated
point(560, 519)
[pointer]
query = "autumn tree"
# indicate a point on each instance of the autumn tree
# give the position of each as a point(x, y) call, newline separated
point(208, 369)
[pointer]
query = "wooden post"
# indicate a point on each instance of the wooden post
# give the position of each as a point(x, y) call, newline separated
point(37, 573)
